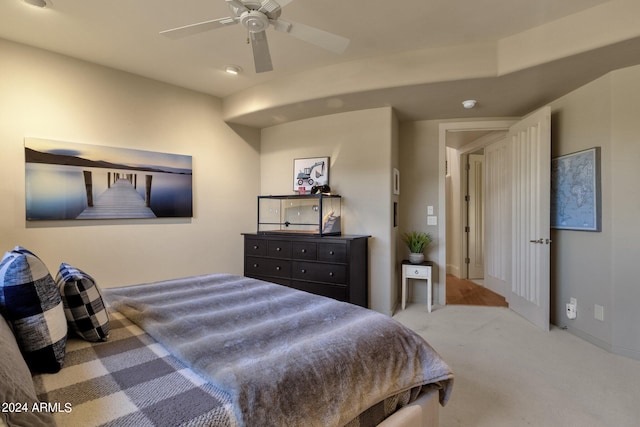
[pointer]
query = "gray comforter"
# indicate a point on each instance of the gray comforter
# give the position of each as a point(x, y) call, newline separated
point(286, 358)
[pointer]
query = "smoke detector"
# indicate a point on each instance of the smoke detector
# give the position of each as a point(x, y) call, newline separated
point(469, 103)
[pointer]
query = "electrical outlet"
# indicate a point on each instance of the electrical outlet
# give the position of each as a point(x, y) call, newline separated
point(571, 311)
point(599, 312)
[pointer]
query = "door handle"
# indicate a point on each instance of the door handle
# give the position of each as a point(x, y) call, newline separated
point(541, 241)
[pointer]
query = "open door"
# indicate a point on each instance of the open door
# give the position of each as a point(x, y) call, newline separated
point(529, 142)
point(498, 218)
point(475, 216)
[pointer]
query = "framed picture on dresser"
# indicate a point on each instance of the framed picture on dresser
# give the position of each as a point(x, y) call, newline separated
point(310, 172)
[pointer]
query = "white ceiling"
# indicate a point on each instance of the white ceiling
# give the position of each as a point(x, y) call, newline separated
point(123, 34)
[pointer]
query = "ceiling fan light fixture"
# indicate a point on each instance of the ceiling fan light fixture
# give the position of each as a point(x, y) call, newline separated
point(233, 70)
point(36, 3)
point(469, 103)
point(254, 21)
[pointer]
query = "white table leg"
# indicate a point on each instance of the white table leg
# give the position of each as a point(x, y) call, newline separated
point(404, 290)
point(429, 295)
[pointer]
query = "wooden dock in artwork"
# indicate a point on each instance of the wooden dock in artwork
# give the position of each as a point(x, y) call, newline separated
point(120, 200)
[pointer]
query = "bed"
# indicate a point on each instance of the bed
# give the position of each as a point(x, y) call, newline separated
point(225, 350)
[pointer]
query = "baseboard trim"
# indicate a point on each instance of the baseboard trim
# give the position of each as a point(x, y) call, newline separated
point(631, 354)
point(453, 269)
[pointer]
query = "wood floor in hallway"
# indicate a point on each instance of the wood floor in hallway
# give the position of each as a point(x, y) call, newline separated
point(465, 292)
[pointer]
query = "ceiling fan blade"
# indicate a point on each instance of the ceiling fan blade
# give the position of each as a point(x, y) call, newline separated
point(261, 54)
point(200, 27)
point(237, 4)
point(269, 6)
point(316, 36)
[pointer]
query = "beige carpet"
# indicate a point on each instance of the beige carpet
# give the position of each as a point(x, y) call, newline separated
point(509, 373)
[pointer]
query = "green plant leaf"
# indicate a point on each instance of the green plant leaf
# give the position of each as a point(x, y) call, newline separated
point(416, 241)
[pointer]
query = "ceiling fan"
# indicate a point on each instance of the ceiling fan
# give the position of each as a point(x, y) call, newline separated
point(256, 16)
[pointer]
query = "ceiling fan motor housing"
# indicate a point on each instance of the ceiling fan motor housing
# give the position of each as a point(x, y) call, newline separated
point(254, 21)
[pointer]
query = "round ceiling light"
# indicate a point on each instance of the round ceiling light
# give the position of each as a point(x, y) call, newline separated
point(233, 69)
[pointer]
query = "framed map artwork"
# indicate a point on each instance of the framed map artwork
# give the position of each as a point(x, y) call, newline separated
point(575, 191)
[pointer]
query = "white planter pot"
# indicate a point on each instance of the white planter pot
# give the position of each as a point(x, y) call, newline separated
point(416, 258)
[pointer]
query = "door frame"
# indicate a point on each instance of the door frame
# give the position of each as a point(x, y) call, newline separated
point(497, 125)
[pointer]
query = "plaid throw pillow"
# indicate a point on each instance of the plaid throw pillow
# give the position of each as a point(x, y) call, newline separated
point(31, 303)
point(83, 305)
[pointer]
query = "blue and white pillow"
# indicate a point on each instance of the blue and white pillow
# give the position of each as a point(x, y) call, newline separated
point(31, 303)
point(83, 304)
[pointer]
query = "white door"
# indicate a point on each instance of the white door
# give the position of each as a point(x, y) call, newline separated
point(497, 218)
point(475, 217)
point(530, 146)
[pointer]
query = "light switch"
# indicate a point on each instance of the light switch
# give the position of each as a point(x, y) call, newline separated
point(429, 210)
point(432, 220)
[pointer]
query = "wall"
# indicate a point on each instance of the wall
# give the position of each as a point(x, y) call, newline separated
point(397, 251)
point(579, 123)
point(360, 146)
point(599, 267)
point(419, 163)
point(625, 212)
point(51, 96)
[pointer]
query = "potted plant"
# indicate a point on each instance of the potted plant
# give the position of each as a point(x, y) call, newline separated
point(416, 242)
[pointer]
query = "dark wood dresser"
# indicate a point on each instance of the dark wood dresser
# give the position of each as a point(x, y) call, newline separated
point(335, 266)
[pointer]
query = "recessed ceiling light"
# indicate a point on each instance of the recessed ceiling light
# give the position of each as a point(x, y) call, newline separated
point(37, 3)
point(469, 103)
point(233, 69)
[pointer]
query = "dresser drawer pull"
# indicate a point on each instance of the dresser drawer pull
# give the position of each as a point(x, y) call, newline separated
point(278, 268)
point(278, 249)
point(303, 271)
point(417, 272)
point(256, 247)
point(331, 273)
point(255, 265)
point(331, 253)
point(304, 251)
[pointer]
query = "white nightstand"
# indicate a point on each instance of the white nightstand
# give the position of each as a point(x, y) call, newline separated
point(416, 271)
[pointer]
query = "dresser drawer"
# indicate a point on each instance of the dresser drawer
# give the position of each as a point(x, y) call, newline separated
point(316, 272)
point(338, 292)
point(335, 267)
point(332, 252)
point(279, 249)
point(267, 267)
point(304, 250)
point(255, 247)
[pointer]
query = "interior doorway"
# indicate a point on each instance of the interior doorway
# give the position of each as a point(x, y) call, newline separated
point(518, 251)
point(465, 189)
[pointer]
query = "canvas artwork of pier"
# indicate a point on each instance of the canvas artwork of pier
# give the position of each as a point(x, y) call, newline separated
point(80, 181)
